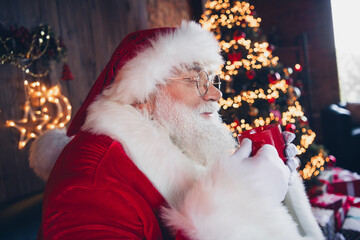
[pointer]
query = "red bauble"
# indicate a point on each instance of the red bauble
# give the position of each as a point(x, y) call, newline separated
point(234, 57)
point(273, 77)
point(290, 127)
point(271, 100)
point(239, 35)
point(298, 67)
point(250, 74)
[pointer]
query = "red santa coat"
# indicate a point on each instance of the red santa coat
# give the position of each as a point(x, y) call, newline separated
point(96, 192)
point(122, 177)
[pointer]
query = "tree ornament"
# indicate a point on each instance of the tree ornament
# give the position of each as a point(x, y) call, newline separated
point(271, 100)
point(304, 120)
point(297, 92)
point(332, 161)
point(66, 73)
point(250, 74)
point(290, 127)
point(239, 35)
point(253, 111)
point(273, 77)
point(233, 57)
point(298, 67)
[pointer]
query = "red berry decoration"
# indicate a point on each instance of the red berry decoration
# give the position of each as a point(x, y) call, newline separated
point(290, 127)
point(273, 77)
point(250, 74)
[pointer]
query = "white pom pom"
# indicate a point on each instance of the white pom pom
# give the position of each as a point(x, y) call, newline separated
point(45, 150)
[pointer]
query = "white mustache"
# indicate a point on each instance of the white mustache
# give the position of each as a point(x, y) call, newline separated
point(208, 107)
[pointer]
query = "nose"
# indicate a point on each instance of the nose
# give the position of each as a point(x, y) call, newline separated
point(213, 94)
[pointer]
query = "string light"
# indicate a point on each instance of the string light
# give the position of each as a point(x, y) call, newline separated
point(43, 109)
point(42, 45)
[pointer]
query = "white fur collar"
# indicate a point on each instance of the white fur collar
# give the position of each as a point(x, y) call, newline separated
point(147, 144)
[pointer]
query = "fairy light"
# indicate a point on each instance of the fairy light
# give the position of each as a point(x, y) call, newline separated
point(314, 165)
point(39, 115)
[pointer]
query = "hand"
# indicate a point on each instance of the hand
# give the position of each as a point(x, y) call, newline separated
point(290, 152)
point(267, 172)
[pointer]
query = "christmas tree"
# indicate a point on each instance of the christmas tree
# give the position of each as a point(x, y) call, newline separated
point(258, 90)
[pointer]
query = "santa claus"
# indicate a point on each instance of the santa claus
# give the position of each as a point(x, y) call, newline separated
point(147, 155)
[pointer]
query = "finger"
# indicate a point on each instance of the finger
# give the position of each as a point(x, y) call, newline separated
point(293, 178)
point(291, 150)
point(267, 150)
point(292, 164)
point(244, 150)
point(288, 137)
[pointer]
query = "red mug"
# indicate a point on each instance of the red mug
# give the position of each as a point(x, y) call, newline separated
point(269, 134)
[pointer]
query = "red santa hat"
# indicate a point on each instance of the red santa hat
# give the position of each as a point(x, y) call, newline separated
point(142, 61)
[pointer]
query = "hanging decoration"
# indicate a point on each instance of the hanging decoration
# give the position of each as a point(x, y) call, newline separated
point(23, 49)
point(31, 52)
point(43, 109)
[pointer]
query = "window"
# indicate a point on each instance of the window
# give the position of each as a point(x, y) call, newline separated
point(346, 22)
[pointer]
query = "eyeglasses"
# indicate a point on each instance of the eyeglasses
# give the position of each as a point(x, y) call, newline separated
point(203, 81)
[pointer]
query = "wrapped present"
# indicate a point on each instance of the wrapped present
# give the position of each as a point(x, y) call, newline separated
point(340, 204)
point(354, 201)
point(328, 201)
point(351, 227)
point(326, 221)
point(341, 181)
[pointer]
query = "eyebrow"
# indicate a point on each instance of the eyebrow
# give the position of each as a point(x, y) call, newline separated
point(198, 69)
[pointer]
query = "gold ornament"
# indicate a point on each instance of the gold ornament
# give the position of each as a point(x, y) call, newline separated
point(253, 111)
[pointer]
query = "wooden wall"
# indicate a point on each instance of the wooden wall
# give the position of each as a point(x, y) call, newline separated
point(91, 30)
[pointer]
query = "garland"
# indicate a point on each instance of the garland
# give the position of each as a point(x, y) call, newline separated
point(23, 48)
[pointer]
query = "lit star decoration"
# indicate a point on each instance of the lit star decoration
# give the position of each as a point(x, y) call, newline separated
point(43, 109)
point(259, 91)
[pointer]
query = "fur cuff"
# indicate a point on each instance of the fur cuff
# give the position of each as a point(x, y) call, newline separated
point(45, 150)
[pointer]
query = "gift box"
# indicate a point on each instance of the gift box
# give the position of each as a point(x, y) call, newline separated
point(325, 219)
point(354, 201)
point(351, 227)
point(340, 204)
point(328, 201)
point(341, 181)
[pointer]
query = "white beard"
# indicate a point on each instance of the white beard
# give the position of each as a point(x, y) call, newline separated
point(202, 140)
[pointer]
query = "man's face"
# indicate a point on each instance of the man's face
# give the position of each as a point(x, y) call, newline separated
point(186, 92)
point(192, 120)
